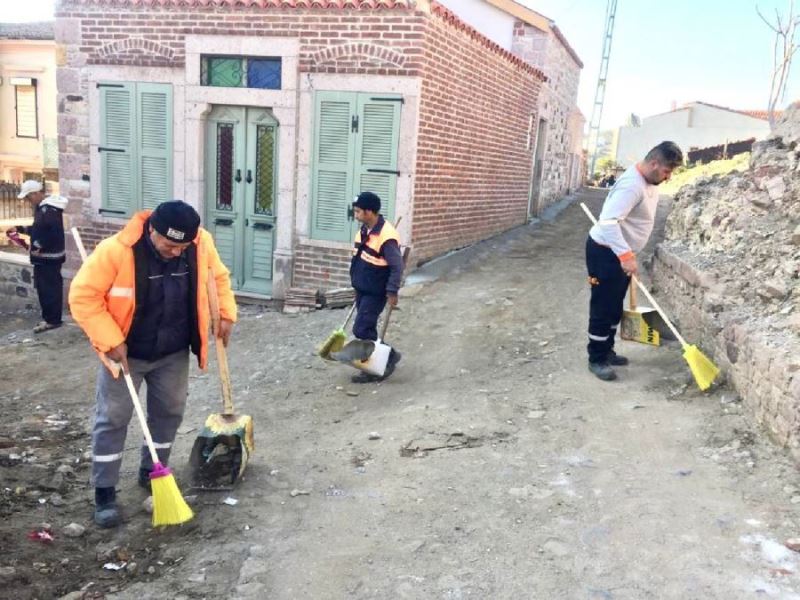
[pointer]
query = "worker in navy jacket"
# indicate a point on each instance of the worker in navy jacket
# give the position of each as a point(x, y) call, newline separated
point(376, 270)
point(46, 251)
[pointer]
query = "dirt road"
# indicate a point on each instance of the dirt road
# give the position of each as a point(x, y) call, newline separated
point(502, 468)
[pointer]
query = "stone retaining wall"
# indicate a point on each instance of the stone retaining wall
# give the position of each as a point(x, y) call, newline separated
point(760, 357)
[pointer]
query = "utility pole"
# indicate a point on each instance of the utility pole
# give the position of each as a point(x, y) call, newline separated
point(599, 95)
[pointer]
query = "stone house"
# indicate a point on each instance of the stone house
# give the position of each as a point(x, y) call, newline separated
point(28, 142)
point(269, 116)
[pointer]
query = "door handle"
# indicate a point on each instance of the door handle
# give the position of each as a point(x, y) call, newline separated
point(226, 222)
point(238, 178)
point(249, 178)
point(262, 226)
point(350, 213)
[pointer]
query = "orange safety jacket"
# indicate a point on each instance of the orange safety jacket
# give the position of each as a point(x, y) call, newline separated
point(369, 269)
point(102, 297)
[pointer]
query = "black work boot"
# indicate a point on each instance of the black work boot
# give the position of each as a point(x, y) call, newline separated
point(616, 360)
point(144, 478)
point(603, 371)
point(106, 513)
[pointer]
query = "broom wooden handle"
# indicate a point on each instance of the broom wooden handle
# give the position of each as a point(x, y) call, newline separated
point(140, 414)
point(349, 315)
point(632, 296)
point(641, 286)
point(114, 367)
point(222, 354)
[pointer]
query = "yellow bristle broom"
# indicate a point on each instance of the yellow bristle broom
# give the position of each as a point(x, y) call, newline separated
point(336, 340)
point(169, 507)
point(703, 370)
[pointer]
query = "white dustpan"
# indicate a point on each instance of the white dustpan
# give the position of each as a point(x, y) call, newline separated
point(376, 363)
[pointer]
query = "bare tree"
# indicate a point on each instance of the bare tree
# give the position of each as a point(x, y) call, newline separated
point(782, 54)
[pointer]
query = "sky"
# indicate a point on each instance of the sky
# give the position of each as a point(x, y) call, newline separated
point(663, 51)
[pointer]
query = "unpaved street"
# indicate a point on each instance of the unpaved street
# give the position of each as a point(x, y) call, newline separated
point(503, 468)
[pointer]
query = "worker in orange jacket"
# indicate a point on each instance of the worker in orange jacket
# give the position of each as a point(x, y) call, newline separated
point(142, 300)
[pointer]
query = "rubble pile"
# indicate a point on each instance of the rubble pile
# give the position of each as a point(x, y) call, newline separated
point(745, 227)
point(729, 268)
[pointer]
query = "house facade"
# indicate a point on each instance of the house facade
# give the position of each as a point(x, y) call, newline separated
point(695, 125)
point(28, 121)
point(558, 163)
point(269, 116)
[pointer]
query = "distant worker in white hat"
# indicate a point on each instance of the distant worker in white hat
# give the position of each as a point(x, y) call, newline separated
point(46, 250)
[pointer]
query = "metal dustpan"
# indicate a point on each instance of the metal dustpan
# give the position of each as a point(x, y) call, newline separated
point(635, 326)
point(221, 451)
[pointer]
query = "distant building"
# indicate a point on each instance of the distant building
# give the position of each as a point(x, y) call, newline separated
point(28, 122)
point(694, 125)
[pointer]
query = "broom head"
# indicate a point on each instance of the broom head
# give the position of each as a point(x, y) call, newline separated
point(704, 371)
point(169, 507)
point(334, 343)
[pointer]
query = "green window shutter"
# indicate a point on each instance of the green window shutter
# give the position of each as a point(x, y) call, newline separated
point(376, 149)
point(154, 143)
point(332, 170)
point(117, 146)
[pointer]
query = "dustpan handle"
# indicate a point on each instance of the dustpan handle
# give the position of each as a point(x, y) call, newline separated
point(632, 295)
point(222, 355)
point(385, 324)
point(635, 280)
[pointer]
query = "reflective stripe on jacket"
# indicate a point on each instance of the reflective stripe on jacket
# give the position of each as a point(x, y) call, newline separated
point(102, 297)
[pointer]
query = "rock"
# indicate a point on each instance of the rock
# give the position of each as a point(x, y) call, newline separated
point(147, 505)
point(151, 570)
point(776, 188)
point(773, 289)
point(74, 530)
point(132, 568)
point(536, 414)
point(197, 578)
point(556, 548)
point(65, 470)
point(793, 544)
point(56, 483)
point(374, 435)
point(295, 492)
point(77, 595)
point(56, 500)
point(761, 200)
point(795, 500)
point(796, 236)
point(352, 393)
point(7, 573)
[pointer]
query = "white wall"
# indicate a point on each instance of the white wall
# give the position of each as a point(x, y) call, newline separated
point(697, 126)
point(495, 24)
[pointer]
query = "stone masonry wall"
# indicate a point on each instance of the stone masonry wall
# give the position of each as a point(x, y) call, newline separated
point(729, 272)
point(557, 102)
point(16, 284)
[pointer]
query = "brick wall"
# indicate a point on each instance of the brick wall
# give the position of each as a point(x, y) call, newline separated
point(321, 268)
point(473, 162)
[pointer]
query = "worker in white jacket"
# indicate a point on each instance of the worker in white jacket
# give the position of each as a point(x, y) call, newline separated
point(623, 229)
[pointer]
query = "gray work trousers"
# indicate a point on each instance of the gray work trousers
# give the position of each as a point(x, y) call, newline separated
point(167, 385)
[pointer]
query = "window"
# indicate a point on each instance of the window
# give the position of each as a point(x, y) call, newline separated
point(25, 106)
point(135, 146)
point(356, 137)
point(241, 71)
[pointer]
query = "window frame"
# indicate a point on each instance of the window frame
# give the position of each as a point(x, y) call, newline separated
point(204, 68)
point(33, 85)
